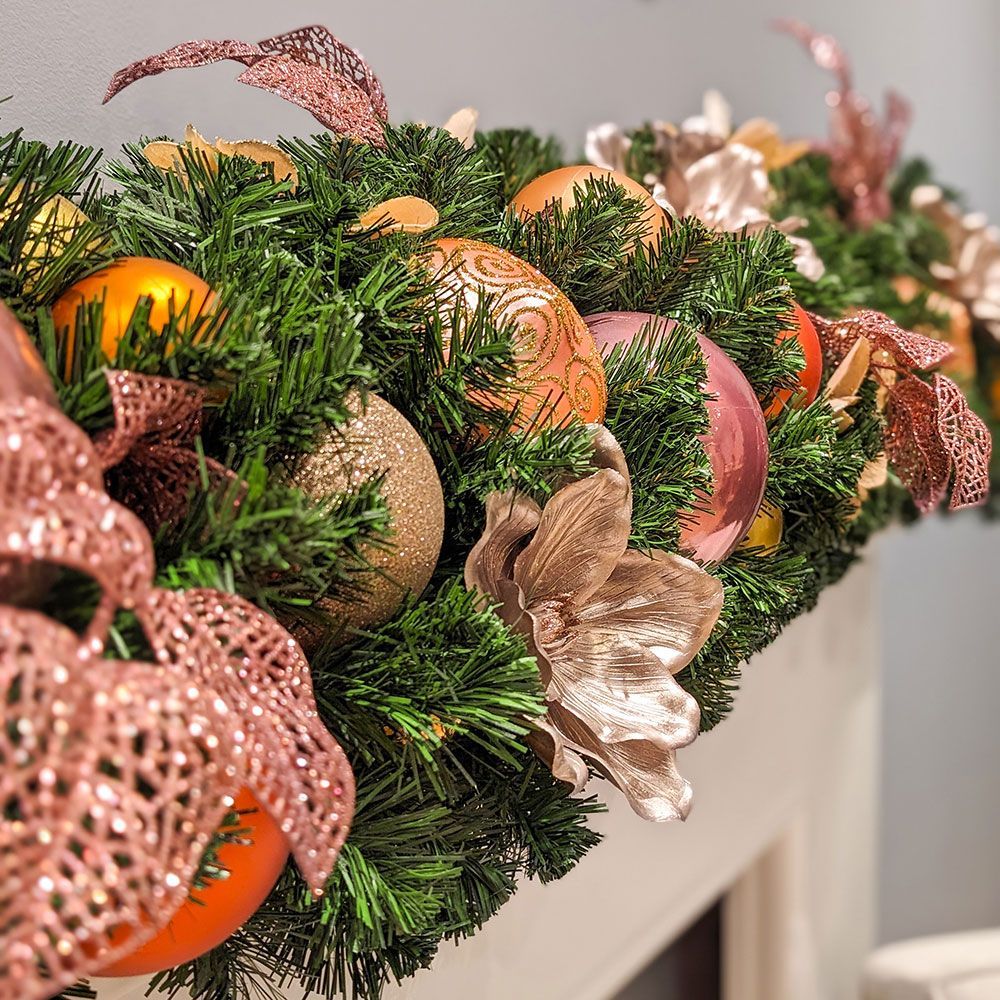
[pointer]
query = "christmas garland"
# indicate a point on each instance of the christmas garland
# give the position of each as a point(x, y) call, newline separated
point(524, 456)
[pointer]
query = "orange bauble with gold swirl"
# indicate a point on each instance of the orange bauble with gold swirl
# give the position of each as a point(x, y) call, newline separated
point(214, 913)
point(560, 371)
point(564, 185)
point(169, 287)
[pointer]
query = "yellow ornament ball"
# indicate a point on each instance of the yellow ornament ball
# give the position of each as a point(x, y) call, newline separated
point(378, 441)
point(566, 184)
point(766, 530)
point(171, 289)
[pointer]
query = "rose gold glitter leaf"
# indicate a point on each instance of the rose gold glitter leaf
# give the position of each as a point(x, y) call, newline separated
point(308, 67)
point(149, 452)
point(316, 44)
point(182, 56)
point(115, 775)
point(862, 149)
point(295, 766)
point(96, 835)
point(967, 440)
point(913, 442)
point(907, 349)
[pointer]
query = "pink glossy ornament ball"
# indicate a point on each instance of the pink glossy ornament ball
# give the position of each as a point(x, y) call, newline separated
point(736, 441)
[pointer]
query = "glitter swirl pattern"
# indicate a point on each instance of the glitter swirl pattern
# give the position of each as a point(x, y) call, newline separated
point(560, 368)
point(115, 774)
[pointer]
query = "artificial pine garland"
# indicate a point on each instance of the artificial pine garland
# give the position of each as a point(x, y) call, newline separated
point(430, 707)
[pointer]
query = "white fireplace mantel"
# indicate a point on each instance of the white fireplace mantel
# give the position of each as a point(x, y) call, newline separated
point(784, 809)
point(794, 765)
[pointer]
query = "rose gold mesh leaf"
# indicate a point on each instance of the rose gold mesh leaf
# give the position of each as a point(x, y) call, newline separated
point(308, 67)
point(41, 453)
point(296, 767)
point(115, 775)
point(334, 101)
point(184, 56)
point(914, 445)
point(967, 440)
point(86, 531)
point(146, 406)
point(909, 350)
point(149, 452)
point(111, 793)
point(316, 44)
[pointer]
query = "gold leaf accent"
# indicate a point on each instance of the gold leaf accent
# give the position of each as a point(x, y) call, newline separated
point(167, 155)
point(462, 125)
point(399, 215)
point(842, 389)
point(764, 136)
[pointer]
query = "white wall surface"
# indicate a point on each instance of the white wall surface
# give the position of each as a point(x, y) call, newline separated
point(560, 65)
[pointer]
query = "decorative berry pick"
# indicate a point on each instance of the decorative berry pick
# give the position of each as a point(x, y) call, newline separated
point(115, 774)
point(862, 149)
point(308, 67)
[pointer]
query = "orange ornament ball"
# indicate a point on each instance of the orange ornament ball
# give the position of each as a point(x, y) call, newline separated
point(560, 370)
point(214, 913)
point(566, 184)
point(812, 374)
point(170, 288)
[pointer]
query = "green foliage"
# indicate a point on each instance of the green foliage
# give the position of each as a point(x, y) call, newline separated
point(861, 264)
point(432, 707)
point(518, 156)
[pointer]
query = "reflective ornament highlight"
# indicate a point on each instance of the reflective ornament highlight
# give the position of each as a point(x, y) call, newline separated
point(565, 185)
point(210, 914)
point(172, 289)
point(736, 442)
point(560, 373)
point(379, 441)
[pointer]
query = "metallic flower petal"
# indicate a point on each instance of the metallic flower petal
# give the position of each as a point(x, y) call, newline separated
point(728, 189)
point(620, 691)
point(607, 146)
point(661, 601)
point(567, 765)
point(582, 534)
point(510, 518)
point(646, 774)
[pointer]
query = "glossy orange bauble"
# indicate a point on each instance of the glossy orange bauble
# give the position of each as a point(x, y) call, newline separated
point(212, 914)
point(810, 376)
point(120, 286)
point(560, 369)
point(565, 184)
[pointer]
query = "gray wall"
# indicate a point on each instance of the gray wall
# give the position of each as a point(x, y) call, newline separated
point(561, 65)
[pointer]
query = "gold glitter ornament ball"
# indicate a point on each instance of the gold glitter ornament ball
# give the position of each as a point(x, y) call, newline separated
point(379, 441)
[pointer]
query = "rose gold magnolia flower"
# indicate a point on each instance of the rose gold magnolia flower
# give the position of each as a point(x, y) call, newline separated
point(609, 625)
point(714, 174)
